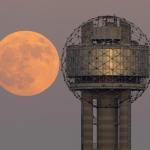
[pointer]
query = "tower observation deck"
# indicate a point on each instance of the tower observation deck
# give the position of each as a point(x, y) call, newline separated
point(105, 63)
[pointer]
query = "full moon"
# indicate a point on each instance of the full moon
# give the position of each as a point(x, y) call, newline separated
point(29, 63)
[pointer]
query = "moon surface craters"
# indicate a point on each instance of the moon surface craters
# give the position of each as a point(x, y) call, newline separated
point(29, 63)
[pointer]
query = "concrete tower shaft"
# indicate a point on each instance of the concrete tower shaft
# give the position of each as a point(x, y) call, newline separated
point(113, 123)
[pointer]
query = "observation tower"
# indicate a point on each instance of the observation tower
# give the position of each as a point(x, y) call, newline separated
point(105, 63)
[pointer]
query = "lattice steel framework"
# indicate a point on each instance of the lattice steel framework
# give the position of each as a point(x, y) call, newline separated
point(111, 50)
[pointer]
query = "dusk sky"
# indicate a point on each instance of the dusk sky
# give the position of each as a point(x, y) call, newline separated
point(51, 120)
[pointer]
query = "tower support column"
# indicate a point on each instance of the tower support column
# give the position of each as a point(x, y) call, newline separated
point(86, 121)
point(125, 122)
point(107, 124)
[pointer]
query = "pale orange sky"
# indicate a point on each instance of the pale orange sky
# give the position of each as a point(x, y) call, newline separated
point(51, 121)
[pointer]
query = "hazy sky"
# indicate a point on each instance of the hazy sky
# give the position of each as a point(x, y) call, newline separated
point(51, 121)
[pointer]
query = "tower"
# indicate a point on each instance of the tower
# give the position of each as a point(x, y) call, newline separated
point(105, 64)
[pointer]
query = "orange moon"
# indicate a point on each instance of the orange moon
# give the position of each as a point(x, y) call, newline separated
point(29, 63)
